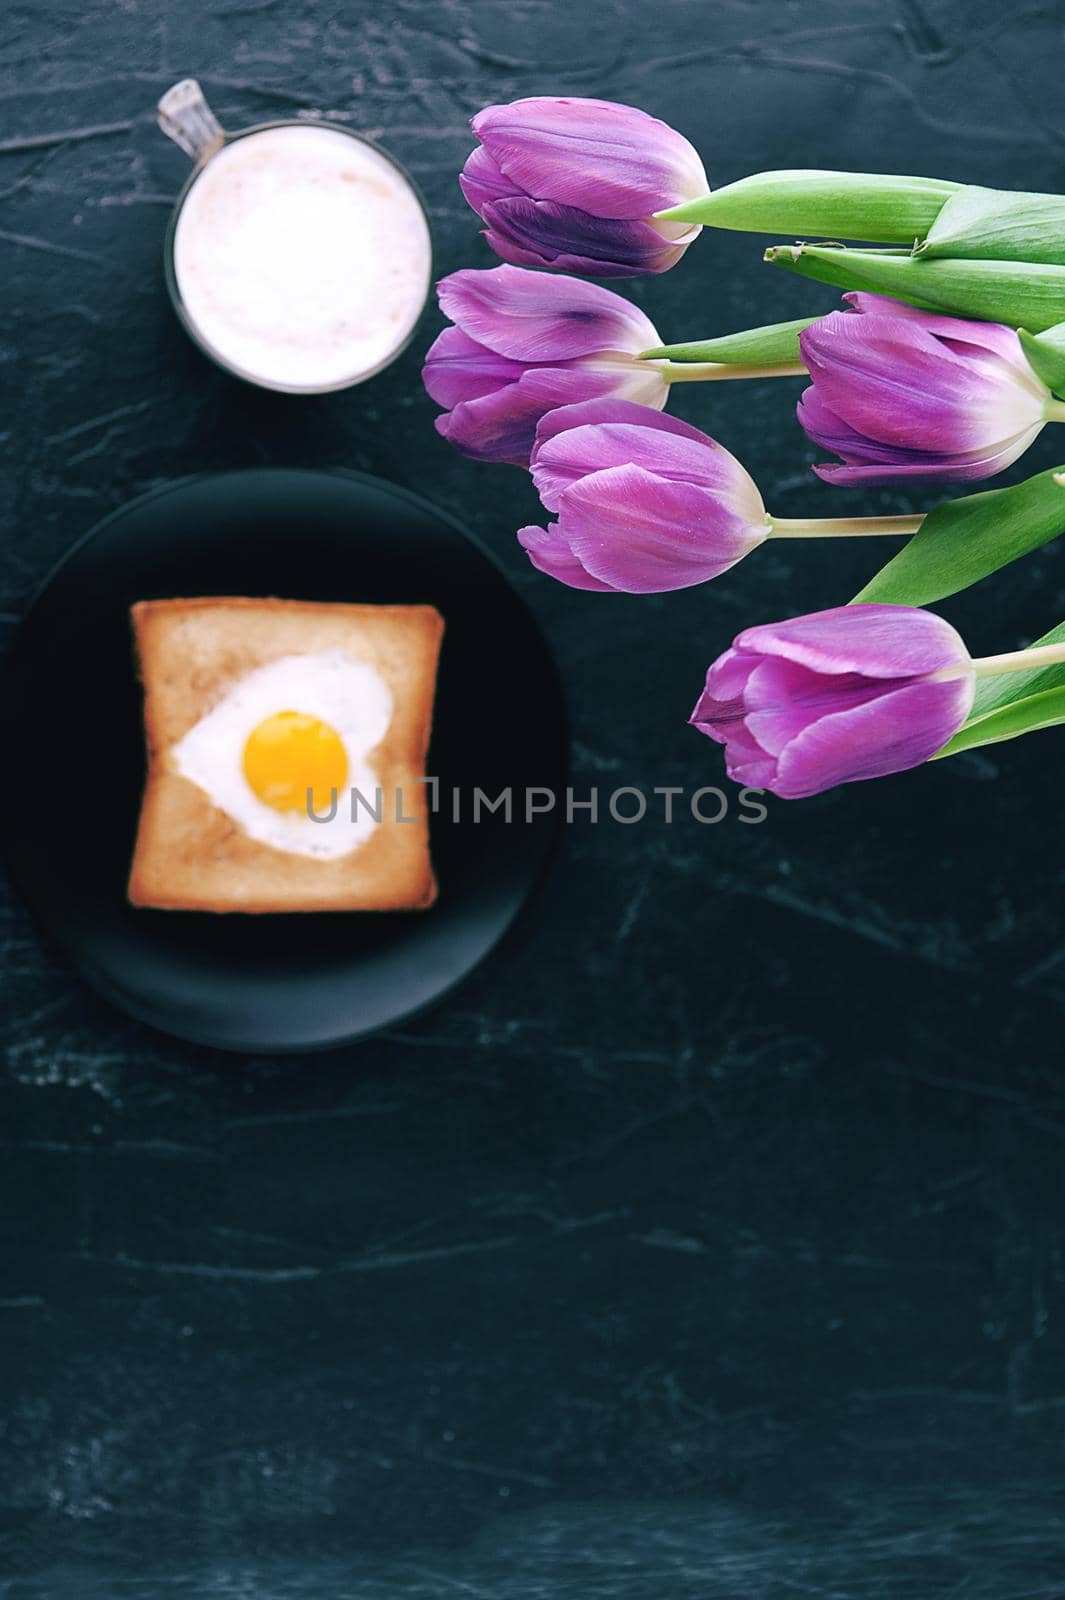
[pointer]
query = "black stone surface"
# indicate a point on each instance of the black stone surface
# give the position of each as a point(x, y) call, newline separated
point(708, 1242)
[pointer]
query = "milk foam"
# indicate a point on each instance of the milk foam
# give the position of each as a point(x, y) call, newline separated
point(302, 257)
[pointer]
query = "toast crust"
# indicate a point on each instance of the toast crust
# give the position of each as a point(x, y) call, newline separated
point(189, 854)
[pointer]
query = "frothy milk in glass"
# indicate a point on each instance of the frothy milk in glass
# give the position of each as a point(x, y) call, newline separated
point(301, 257)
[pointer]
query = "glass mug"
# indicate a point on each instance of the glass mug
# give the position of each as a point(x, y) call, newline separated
point(298, 255)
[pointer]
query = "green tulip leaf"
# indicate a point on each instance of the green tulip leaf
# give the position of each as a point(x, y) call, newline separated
point(1022, 294)
point(776, 343)
point(962, 541)
point(1046, 353)
point(1007, 704)
point(1000, 688)
point(1035, 711)
point(998, 225)
point(837, 205)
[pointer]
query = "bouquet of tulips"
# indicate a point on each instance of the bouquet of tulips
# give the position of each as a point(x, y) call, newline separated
point(944, 365)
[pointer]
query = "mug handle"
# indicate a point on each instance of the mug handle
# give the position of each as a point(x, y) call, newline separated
point(184, 116)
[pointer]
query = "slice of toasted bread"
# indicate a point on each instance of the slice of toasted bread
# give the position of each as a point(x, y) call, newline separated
point(192, 856)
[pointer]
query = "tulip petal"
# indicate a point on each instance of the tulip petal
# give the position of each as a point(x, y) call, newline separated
point(831, 432)
point(545, 234)
point(502, 426)
point(821, 424)
point(585, 266)
point(783, 698)
point(622, 376)
point(960, 469)
point(873, 640)
point(481, 180)
point(529, 317)
point(645, 534)
point(517, 256)
point(868, 304)
point(869, 461)
point(745, 760)
point(607, 159)
point(719, 714)
point(721, 702)
point(549, 552)
point(609, 409)
point(457, 368)
point(901, 728)
point(669, 454)
point(986, 336)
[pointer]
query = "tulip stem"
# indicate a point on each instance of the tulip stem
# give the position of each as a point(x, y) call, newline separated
point(842, 527)
point(1043, 655)
point(703, 371)
point(1054, 411)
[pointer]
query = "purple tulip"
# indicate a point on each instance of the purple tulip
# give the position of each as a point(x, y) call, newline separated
point(644, 502)
point(524, 344)
point(574, 184)
point(855, 692)
point(902, 393)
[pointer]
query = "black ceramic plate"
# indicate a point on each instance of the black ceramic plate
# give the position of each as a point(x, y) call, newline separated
point(72, 711)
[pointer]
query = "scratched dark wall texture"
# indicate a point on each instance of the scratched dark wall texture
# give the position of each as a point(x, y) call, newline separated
point(708, 1242)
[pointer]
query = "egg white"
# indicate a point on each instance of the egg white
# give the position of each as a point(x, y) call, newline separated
point(349, 695)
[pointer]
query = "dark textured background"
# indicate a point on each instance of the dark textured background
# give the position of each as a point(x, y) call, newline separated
point(708, 1242)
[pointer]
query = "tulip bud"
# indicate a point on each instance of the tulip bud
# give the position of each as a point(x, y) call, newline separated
point(573, 185)
point(902, 393)
point(647, 503)
point(524, 344)
point(644, 502)
point(837, 696)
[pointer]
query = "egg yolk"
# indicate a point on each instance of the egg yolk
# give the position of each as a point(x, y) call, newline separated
point(289, 753)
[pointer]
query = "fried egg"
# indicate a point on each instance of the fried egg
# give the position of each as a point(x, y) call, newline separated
point(290, 738)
